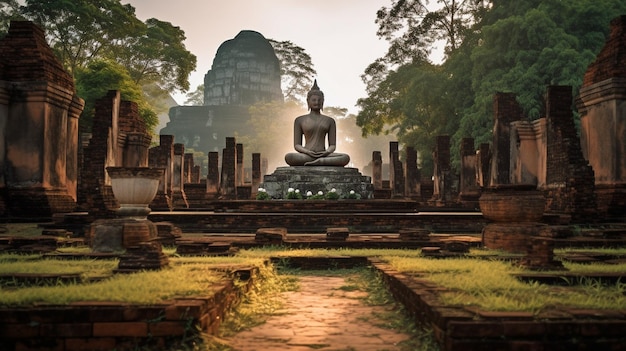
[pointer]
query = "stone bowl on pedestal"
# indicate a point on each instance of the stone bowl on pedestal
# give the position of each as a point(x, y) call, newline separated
point(134, 188)
point(514, 211)
point(512, 203)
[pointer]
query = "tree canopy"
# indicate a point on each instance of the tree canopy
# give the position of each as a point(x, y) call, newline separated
point(489, 46)
point(296, 69)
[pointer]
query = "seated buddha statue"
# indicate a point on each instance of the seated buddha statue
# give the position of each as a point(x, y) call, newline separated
point(316, 128)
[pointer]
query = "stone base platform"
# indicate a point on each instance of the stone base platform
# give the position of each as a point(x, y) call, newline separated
point(318, 178)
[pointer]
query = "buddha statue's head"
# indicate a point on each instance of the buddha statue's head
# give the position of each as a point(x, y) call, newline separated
point(315, 91)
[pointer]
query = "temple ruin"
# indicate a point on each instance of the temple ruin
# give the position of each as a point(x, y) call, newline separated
point(245, 71)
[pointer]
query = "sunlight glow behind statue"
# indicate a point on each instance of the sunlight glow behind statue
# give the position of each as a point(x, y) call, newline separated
point(316, 128)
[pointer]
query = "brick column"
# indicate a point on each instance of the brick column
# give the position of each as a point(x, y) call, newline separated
point(377, 170)
point(411, 174)
point(179, 200)
point(442, 173)
point(188, 168)
point(506, 110)
point(468, 186)
point(161, 157)
point(228, 184)
point(256, 173)
point(239, 167)
point(396, 172)
point(213, 175)
point(484, 160)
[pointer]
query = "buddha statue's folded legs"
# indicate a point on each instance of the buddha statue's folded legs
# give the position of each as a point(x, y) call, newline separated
point(334, 159)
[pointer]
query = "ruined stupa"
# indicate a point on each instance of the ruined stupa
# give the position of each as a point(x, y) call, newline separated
point(245, 71)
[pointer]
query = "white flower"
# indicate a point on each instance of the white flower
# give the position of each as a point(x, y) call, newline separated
point(290, 190)
point(308, 193)
point(333, 190)
point(351, 192)
point(297, 191)
point(320, 193)
point(261, 190)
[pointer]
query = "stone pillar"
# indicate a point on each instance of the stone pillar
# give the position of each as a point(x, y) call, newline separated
point(412, 174)
point(484, 161)
point(4, 116)
point(188, 168)
point(102, 152)
point(195, 174)
point(396, 172)
point(264, 166)
point(256, 173)
point(161, 157)
point(506, 110)
point(377, 170)
point(135, 152)
point(228, 184)
point(39, 125)
point(528, 152)
point(179, 200)
point(602, 106)
point(442, 186)
point(239, 167)
point(73, 147)
point(569, 178)
point(133, 137)
point(213, 175)
point(468, 186)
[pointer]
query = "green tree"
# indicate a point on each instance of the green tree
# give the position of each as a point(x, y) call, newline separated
point(296, 69)
point(100, 76)
point(9, 9)
point(82, 30)
point(413, 104)
point(408, 95)
point(413, 27)
point(156, 54)
point(196, 97)
point(526, 46)
point(508, 46)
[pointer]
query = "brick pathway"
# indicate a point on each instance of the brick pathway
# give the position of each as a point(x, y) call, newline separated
point(320, 316)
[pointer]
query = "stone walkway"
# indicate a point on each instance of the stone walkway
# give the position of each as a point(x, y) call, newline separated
point(321, 316)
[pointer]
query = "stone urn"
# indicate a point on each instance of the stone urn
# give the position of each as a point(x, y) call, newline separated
point(512, 203)
point(134, 188)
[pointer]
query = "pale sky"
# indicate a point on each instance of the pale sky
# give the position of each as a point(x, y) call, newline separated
point(339, 35)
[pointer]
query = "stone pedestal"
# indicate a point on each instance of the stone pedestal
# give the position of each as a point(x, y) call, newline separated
point(116, 235)
point(314, 179)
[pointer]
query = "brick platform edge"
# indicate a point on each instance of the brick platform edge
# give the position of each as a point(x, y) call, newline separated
point(469, 329)
point(110, 325)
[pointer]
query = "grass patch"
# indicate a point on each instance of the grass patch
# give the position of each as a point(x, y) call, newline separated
point(149, 287)
point(488, 284)
point(20, 229)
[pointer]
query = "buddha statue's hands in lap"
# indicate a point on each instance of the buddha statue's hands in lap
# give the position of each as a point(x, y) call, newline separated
point(315, 127)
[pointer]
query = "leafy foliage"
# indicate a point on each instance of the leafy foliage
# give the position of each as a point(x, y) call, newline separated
point(489, 46)
point(100, 76)
point(296, 69)
point(196, 97)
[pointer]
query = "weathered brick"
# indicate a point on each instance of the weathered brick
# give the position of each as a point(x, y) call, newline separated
point(168, 328)
point(73, 330)
point(133, 329)
point(90, 344)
